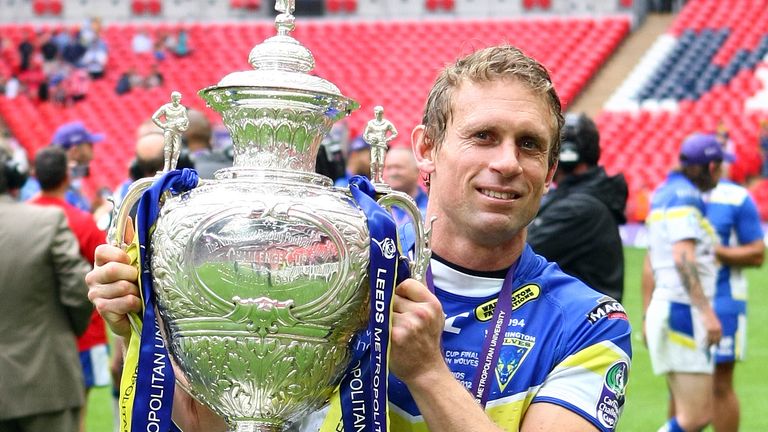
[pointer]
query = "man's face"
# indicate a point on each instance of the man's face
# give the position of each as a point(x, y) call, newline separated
point(400, 170)
point(80, 154)
point(491, 170)
point(360, 162)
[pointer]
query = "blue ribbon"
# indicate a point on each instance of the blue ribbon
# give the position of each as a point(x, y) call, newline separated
point(363, 390)
point(155, 381)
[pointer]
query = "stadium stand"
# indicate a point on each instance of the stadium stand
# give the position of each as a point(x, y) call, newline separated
point(699, 76)
point(395, 71)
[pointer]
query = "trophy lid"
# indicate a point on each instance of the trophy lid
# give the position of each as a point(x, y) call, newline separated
point(281, 61)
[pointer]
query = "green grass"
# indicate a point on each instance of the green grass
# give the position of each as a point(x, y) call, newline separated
point(647, 394)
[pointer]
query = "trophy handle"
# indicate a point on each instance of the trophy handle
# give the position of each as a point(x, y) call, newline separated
point(421, 250)
point(116, 231)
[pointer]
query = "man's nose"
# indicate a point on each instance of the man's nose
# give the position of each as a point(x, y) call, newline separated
point(507, 160)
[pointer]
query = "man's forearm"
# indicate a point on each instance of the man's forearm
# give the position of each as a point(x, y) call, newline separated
point(447, 406)
point(689, 276)
point(748, 255)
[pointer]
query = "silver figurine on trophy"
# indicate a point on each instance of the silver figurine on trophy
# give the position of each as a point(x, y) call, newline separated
point(261, 274)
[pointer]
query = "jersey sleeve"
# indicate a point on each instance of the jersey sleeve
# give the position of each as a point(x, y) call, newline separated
point(748, 228)
point(593, 364)
point(684, 216)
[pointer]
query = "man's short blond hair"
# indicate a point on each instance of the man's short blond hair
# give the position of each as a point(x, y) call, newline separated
point(486, 65)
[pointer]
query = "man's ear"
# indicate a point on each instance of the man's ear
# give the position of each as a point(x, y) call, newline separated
point(423, 150)
point(550, 176)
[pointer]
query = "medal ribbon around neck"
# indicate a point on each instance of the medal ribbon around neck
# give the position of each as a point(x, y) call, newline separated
point(489, 356)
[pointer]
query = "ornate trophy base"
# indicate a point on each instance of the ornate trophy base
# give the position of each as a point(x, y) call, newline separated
point(254, 426)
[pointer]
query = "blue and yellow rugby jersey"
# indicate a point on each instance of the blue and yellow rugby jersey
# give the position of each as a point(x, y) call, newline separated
point(677, 213)
point(736, 220)
point(565, 344)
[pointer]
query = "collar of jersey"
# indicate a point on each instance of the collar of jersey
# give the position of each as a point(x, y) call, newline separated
point(459, 281)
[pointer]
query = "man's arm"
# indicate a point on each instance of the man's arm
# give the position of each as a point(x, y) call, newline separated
point(683, 252)
point(747, 255)
point(546, 417)
point(647, 284)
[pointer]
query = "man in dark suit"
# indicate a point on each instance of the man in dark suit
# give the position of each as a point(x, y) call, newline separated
point(44, 306)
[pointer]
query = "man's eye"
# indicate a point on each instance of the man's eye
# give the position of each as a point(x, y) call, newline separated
point(529, 144)
point(482, 135)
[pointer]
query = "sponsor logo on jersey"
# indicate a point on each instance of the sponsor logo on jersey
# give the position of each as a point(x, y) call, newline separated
point(514, 350)
point(521, 296)
point(612, 397)
point(606, 308)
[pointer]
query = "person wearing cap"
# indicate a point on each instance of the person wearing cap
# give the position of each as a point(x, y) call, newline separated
point(578, 223)
point(680, 324)
point(733, 214)
point(358, 161)
point(78, 142)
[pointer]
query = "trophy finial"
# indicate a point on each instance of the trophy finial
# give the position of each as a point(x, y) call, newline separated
point(378, 133)
point(284, 22)
point(176, 122)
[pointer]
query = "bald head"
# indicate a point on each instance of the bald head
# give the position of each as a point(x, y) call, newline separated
point(401, 171)
point(149, 155)
point(150, 146)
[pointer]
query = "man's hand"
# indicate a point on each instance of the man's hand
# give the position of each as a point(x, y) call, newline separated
point(417, 328)
point(112, 286)
point(712, 325)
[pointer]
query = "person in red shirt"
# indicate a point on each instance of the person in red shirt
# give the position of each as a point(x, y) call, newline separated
point(52, 172)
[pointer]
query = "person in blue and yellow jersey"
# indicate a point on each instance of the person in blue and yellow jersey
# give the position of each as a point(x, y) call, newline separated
point(497, 338)
point(680, 323)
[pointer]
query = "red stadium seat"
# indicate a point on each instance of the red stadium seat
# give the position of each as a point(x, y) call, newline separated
point(343, 50)
point(138, 7)
point(154, 7)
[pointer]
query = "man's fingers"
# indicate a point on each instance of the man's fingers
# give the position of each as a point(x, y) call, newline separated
point(112, 290)
point(106, 253)
point(111, 272)
point(415, 291)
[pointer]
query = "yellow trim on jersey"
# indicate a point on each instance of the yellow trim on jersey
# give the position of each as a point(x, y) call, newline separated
point(682, 339)
point(681, 212)
point(596, 358)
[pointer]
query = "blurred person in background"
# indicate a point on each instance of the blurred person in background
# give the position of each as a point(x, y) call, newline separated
point(358, 161)
point(45, 306)
point(197, 140)
point(402, 173)
point(734, 215)
point(52, 173)
point(330, 160)
point(578, 223)
point(680, 324)
point(78, 142)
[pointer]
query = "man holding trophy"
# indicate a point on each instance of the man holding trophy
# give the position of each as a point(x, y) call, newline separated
point(495, 338)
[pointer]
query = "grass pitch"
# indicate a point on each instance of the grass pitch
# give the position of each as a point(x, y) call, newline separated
point(646, 406)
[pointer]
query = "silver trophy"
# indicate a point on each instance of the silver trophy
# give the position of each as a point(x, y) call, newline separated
point(261, 274)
